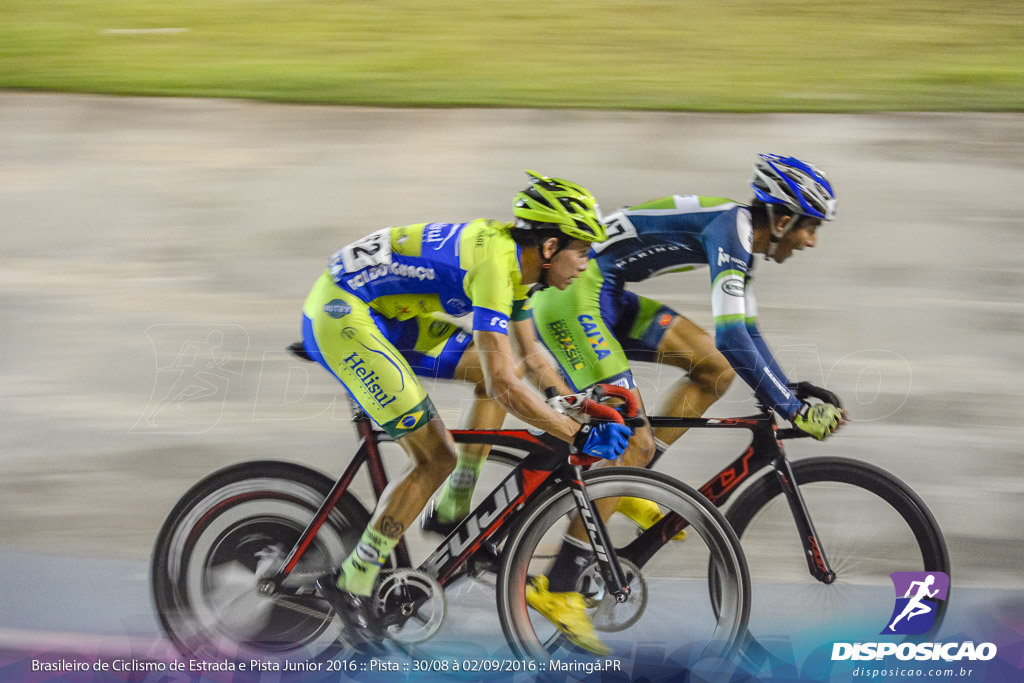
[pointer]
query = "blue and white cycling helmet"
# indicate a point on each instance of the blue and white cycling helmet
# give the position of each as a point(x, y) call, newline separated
point(801, 187)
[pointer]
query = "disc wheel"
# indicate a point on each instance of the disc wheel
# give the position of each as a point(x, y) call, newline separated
point(228, 534)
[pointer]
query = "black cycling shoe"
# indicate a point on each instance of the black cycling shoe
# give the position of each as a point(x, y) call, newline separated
point(430, 522)
point(362, 626)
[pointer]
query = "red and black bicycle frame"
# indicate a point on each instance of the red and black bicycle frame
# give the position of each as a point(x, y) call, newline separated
point(547, 460)
point(765, 450)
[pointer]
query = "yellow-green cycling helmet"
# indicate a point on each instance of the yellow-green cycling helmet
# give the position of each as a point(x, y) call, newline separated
point(559, 204)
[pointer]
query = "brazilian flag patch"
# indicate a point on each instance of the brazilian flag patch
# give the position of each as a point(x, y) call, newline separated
point(421, 413)
point(410, 420)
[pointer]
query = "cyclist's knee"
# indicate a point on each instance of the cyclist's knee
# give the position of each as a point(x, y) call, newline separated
point(640, 450)
point(432, 449)
point(440, 465)
point(714, 377)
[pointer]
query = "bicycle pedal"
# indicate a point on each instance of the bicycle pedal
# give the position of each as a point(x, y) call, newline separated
point(429, 522)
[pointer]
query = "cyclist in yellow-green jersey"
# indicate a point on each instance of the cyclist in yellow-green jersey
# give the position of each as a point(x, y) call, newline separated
point(382, 291)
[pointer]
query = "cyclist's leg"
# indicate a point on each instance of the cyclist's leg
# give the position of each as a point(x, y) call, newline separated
point(439, 349)
point(576, 325)
point(684, 345)
point(482, 412)
point(659, 334)
point(340, 332)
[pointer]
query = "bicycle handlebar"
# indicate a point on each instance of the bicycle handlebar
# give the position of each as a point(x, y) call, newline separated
point(596, 410)
point(790, 433)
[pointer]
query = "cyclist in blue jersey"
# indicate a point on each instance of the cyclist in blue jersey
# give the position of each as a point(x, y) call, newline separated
point(595, 326)
point(384, 290)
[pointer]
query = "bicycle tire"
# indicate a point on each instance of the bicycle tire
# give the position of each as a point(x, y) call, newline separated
point(206, 562)
point(844, 498)
point(707, 524)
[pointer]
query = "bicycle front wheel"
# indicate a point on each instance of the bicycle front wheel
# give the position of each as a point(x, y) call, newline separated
point(668, 615)
point(869, 523)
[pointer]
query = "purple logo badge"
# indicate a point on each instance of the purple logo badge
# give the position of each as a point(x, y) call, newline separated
point(917, 597)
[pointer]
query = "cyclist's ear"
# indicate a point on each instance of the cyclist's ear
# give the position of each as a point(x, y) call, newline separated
point(548, 248)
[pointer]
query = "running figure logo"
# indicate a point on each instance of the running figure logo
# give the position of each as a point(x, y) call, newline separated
point(195, 365)
point(917, 596)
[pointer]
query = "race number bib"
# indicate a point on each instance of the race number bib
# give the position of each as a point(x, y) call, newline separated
point(619, 228)
point(372, 250)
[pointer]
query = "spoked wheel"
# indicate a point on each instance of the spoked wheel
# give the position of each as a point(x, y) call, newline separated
point(668, 609)
point(226, 535)
point(870, 525)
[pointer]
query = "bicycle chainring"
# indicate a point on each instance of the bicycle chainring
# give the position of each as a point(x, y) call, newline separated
point(412, 604)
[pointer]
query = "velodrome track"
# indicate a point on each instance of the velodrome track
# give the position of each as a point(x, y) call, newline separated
point(156, 253)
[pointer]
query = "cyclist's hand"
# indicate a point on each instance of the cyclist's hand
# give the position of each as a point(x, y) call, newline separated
point(806, 390)
point(818, 420)
point(604, 440)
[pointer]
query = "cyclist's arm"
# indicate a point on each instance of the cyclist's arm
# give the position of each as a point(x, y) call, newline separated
point(541, 373)
point(505, 387)
point(728, 243)
point(490, 288)
point(760, 344)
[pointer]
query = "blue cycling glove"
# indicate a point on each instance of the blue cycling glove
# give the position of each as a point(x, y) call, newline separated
point(604, 440)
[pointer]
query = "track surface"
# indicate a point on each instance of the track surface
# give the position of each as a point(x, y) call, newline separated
point(157, 252)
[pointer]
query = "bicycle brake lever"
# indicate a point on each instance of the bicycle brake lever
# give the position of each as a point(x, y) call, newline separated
point(567, 403)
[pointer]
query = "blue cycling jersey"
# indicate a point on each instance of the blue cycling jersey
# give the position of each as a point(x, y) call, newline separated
point(682, 233)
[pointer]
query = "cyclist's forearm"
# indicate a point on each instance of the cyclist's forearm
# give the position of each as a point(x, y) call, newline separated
point(539, 370)
point(762, 348)
point(542, 375)
point(737, 347)
point(525, 404)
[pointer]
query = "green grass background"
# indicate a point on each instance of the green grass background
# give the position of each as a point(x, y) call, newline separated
point(703, 55)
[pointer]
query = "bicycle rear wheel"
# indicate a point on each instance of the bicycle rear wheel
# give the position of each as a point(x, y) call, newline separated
point(231, 530)
point(870, 525)
point(668, 616)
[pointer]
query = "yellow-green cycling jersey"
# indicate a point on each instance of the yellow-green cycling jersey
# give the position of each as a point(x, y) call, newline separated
point(398, 274)
point(453, 268)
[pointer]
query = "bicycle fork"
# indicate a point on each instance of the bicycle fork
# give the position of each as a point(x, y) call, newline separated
point(607, 561)
point(817, 563)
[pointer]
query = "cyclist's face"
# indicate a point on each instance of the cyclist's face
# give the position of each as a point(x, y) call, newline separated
point(567, 264)
point(804, 235)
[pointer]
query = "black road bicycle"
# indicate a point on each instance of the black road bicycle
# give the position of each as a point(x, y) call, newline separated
point(821, 535)
point(235, 562)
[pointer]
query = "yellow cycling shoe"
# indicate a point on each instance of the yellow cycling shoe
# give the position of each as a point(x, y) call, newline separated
point(644, 513)
point(567, 611)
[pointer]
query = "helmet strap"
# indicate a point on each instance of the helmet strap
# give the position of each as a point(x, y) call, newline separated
point(778, 233)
